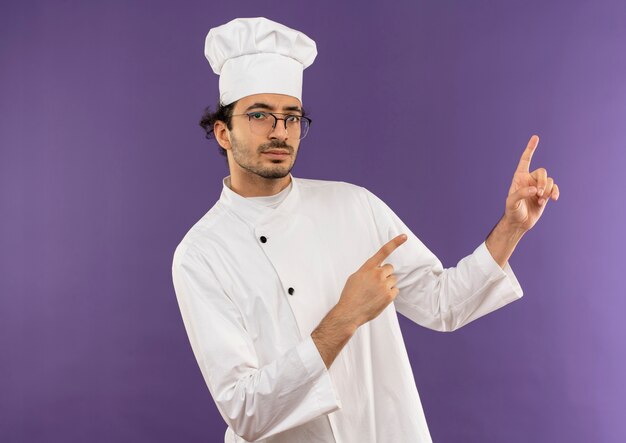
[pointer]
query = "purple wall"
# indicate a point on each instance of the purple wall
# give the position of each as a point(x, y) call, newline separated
point(103, 169)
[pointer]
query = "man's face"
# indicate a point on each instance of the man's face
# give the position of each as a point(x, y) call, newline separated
point(251, 153)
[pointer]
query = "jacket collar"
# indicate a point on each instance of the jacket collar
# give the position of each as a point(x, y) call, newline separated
point(254, 213)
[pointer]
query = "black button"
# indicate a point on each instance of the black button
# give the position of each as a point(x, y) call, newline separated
point(290, 290)
point(263, 239)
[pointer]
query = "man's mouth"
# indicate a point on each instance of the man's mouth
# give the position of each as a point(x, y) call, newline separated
point(277, 153)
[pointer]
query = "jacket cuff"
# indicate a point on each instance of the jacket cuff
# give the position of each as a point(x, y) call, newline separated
point(492, 270)
point(325, 390)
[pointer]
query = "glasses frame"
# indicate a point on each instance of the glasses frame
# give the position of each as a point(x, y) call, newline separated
point(249, 114)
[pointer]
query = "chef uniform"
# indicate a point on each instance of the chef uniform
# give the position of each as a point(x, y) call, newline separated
point(255, 276)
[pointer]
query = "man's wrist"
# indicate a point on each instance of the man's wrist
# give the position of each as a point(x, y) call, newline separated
point(345, 317)
point(503, 239)
point(511, 230)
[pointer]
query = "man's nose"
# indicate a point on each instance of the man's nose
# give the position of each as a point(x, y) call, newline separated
point(279, 130)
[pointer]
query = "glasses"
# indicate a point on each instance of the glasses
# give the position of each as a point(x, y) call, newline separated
point(262, 123)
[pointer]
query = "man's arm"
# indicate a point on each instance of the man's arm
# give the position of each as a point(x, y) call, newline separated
point(332, 334)
point(365, 295)
point(256, 400)
point(437, 298)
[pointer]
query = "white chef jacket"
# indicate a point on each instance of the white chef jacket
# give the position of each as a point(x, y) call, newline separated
point(253, 282)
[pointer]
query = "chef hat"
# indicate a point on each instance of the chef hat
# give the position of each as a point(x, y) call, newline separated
point(257, 55)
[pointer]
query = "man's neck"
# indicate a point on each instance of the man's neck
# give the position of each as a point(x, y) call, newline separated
point(259, 186)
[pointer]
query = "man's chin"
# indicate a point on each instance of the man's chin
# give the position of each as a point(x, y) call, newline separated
point(276, 174)
point(279, 171)
point(276, 171)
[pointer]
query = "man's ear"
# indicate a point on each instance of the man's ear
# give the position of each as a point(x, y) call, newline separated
point(222, 134)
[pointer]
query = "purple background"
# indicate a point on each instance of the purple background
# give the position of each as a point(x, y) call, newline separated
point(428, 104)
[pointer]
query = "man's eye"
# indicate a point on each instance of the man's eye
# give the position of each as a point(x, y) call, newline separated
point(293, 119)
point(258, 115)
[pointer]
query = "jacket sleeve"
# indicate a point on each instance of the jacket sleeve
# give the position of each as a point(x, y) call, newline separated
point(438, 298)
point(256, 401)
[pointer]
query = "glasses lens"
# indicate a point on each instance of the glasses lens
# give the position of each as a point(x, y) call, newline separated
point(297, 126)
point(302, 127)
point(262, 123)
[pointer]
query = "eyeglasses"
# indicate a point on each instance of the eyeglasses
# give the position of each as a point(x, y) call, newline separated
point(261, 123)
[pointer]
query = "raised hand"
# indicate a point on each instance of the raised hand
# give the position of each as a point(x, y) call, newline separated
point(372, 287)
point(529, 192)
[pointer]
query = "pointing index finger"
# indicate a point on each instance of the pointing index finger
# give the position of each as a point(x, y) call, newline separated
point(524, 163)
point(386, 250)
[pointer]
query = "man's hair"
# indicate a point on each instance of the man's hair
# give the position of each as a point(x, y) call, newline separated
point(222, 113)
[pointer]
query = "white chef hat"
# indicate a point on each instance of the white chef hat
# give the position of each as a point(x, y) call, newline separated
point(257, 55)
